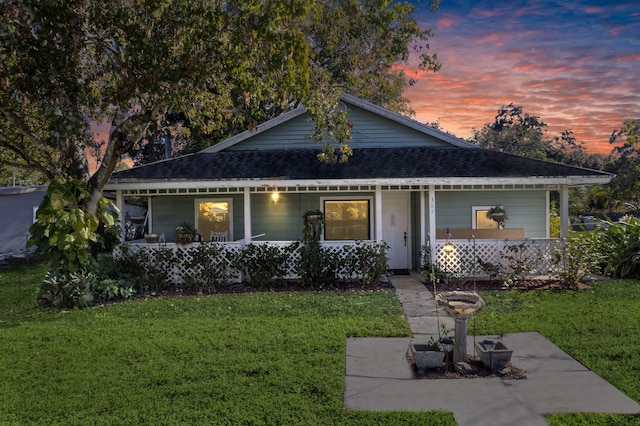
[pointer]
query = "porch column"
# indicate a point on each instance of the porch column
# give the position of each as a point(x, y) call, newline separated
point(247, 215)
point(432, 222)
point(120, 206)
point(378, 215)
point(564, 211)
point(423, 219)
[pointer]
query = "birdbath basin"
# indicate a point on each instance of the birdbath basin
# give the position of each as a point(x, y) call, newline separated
point(461, 305)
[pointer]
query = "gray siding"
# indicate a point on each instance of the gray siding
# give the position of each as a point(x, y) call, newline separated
point(525, 209)
point(17, 217)
point(168, 212)
point(369, 130)
point(283, 221)
point(279, 222)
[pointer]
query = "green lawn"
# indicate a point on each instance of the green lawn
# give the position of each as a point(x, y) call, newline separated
point(598, 327)
point(271, 358)
point(268, 358)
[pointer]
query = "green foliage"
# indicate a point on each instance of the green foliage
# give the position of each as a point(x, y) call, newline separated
point(429, 270)
point(367, 262)
point(110, 289)
point(207, 268)
point(514, 132)
point(217, 67)
point(264, 263)
point(520, 260)
point(620, 247)
point(125, 264)
point(66, 290)
point(316, 267)
point(185, 228)
point(554, 223)
point(65, 230)
point(578, 256)
point(154, 261)
point(626, 183)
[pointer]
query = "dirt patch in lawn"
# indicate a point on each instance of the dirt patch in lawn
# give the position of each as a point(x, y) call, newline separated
point(530, 284)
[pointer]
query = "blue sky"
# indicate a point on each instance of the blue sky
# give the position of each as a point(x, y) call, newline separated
point(576, 64)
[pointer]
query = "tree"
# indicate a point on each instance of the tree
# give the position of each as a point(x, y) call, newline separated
point(514, 132)
point(355, 47)
point(626, 158)
point(222, 64)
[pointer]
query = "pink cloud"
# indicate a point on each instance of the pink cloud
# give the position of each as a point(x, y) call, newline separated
point(572, 64)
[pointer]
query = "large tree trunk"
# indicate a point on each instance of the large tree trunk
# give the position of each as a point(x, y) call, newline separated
point(126, 129)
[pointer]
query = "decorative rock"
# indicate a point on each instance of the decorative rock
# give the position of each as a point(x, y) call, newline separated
point(465, 368)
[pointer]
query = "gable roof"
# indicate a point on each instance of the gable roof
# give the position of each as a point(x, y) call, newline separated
point(411, 165)
point(450, 161)
point(407, 122)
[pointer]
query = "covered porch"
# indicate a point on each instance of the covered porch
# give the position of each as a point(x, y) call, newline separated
point(408, 216)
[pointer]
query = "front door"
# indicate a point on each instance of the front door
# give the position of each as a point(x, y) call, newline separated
point(395, 228)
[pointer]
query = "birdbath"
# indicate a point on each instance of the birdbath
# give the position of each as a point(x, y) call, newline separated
point(461, 305)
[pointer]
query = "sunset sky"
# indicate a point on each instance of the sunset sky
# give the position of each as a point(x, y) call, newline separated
point(574, 63)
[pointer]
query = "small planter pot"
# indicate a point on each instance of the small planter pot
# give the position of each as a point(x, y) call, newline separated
point(184, 238)
point(496, 359)
point(152, 238)
point(424, 357)
point(498, 217)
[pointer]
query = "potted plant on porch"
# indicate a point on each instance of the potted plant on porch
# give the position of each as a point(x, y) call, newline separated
point(184, 233)
point(497, 214)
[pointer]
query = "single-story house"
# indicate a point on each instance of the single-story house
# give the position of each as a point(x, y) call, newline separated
point(407, 184)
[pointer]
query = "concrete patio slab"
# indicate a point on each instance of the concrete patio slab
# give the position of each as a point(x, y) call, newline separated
point(379, 378)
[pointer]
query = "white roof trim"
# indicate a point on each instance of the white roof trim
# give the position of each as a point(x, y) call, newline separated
point(457, 181)
point(368, 106)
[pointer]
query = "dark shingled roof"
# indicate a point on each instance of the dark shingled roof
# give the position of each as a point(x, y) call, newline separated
point(366, 163)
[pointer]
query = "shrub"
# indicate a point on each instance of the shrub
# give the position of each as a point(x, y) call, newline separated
point(577, 257)
point(66, 290)
point(429, 270)
point(621, 248)
point(65, 231)
point(264, 263)
point(206, 265)
point(316, 265)
point(367, 261)
point(520, 260)
point(110, 289)
point(156, 264)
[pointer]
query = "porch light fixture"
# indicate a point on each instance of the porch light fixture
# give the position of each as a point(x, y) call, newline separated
point(275, 197)
point(448, 247)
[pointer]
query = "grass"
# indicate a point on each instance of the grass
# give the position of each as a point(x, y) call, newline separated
point(253, 359)
point(598, 327)
point(262, 359)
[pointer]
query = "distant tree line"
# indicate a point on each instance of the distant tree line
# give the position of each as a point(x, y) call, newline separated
point(517, 132)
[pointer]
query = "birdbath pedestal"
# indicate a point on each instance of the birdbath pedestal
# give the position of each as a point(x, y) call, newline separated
point(461, 305)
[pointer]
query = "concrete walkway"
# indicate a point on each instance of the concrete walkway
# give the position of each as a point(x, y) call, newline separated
point(379, 378)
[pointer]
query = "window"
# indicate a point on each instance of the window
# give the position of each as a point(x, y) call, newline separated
point(346, 220)
point(480, 219)
point(213, 216)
